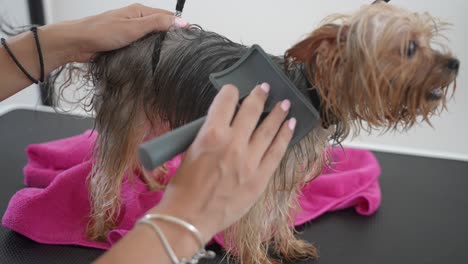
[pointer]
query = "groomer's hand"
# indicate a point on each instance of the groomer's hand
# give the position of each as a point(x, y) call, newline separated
point(78, 41)
point(230, 163)
point(118, 28)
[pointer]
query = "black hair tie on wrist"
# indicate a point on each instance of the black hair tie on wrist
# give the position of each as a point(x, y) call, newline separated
point(39, 51)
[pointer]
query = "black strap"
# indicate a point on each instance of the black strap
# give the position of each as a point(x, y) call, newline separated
point(180, 7)
point(314, 97)
point(386, 1)
point(39, 51)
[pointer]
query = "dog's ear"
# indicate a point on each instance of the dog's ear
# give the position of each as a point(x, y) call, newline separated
point(322, 42)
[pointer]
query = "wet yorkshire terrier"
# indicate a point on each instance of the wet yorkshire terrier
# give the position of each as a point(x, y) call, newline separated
point(375, 69)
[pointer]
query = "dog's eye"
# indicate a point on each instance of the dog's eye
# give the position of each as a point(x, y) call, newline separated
point(412, 47)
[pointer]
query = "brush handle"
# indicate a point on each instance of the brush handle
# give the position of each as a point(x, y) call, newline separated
point(154, 153)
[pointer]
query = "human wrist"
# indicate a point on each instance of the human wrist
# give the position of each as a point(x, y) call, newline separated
point(180, 241)
point(60, 44)
point(202, 225)
point(22, 60)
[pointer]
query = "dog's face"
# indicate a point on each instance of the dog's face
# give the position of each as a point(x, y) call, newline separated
point(394, 51)
point(380, 67)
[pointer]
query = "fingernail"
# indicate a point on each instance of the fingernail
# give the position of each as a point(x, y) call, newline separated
point(285, 105)
point(292, 123)
point(180, 22)
point(265, 87)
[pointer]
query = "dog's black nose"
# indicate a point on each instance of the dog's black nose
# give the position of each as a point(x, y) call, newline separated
point(453, 64)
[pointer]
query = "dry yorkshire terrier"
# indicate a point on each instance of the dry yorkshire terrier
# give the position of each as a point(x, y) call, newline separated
point(374, 69)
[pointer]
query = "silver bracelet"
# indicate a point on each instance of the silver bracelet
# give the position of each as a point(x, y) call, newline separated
point(201, 253)
point(163, 239)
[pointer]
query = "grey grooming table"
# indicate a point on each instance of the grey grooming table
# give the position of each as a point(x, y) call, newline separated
point(423, 217)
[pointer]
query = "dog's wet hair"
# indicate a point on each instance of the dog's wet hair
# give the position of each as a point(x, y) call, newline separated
point(159, 83)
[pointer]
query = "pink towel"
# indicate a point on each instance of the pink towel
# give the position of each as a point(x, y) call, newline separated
point(54, 208)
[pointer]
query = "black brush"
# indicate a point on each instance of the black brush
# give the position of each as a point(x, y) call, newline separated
point(253, 68)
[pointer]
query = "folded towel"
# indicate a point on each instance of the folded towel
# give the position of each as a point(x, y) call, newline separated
point(55, 207)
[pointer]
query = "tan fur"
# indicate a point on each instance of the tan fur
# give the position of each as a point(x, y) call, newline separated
point(361, 71)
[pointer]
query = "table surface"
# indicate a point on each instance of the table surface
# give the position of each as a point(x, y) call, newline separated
point(423, 217)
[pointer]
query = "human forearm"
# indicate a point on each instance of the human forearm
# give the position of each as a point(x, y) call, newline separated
point(78, 41)
point(142, 245)
point(57, 45)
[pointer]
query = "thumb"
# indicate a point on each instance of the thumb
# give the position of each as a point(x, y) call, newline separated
point(160, 22)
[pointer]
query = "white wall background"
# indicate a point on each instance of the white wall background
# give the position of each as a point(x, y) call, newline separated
point(15, 12)
point(277, 24)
